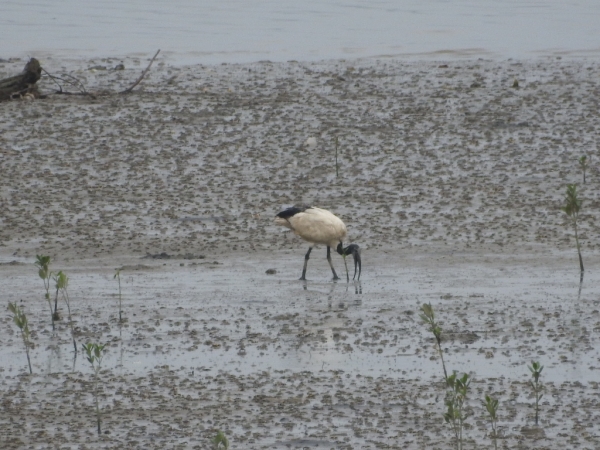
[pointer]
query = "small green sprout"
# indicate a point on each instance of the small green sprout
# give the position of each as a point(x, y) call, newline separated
point(428, 317)
point(62, 283)
point(491, 405)
point(20, 319)
point(538, 388)
point(94, 354)
point(43, 264)
point(571, 209)
point(337, 167)
point(584, 163)
point(118, 277)
point(456, 397)
point(220, 441)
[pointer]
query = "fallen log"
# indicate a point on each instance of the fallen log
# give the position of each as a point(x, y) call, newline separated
point(22, 84)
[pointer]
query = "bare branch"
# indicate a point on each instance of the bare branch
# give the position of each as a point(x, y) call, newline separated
point(130, 88)
point(73, 81)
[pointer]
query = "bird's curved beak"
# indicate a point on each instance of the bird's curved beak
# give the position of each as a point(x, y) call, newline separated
point(354, 250)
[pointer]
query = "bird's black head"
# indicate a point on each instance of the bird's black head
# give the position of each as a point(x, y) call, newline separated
point(289, 212)
point(354, 250)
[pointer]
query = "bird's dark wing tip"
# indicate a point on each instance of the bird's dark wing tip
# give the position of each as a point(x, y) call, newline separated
point(289, 212)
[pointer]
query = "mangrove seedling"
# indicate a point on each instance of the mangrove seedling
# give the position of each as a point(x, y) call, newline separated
point(220, 441)
point(491, 405)
point(571, 209)
point(456, 397)
point(118, 277)
point(94, 356)
point(536, 371)
point(55, 315)
point(43, 264)
point(584, 164)
point(337, 167)
point(428, 317)
point(62, 282)
point(457, 387)
point(20, 319)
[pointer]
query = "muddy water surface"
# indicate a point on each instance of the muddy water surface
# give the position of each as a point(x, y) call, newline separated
point(451, 180)
point(276, 362)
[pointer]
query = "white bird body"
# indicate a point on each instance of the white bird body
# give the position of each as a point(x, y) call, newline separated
point(316, 225)
point(319, 226)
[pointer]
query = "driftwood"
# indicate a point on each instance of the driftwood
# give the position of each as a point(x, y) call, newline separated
point(71, 80)
point(22, 84)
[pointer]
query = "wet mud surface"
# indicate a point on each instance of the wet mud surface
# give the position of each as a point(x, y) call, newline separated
point(450, 179)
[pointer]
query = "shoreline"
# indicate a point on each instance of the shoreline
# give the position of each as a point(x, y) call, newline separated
point(450, 179)
point(75, 60)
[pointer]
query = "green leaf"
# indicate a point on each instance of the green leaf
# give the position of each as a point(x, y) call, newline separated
point(428, 311)
point(61, 279)
point(573, 204)
point(220, 439)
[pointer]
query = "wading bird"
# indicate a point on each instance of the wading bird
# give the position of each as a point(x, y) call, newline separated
point(319, 226)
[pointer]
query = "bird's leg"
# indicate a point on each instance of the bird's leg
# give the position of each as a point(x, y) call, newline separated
point(303, 277)
point(346, 266)
point(335, 277)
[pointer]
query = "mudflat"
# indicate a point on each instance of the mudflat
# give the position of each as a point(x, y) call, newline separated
point(450, 175)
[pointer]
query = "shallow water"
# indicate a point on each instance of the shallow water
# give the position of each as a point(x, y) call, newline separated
point(187, 318)
point(320, 362)
point(212, 32)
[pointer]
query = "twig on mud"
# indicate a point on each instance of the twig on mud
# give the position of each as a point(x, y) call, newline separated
point(73, 81)
point(130, 88)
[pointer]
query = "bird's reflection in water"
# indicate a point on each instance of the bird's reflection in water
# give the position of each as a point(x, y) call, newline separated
point(357, 287)
point(358, 290)
point(330, 298)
